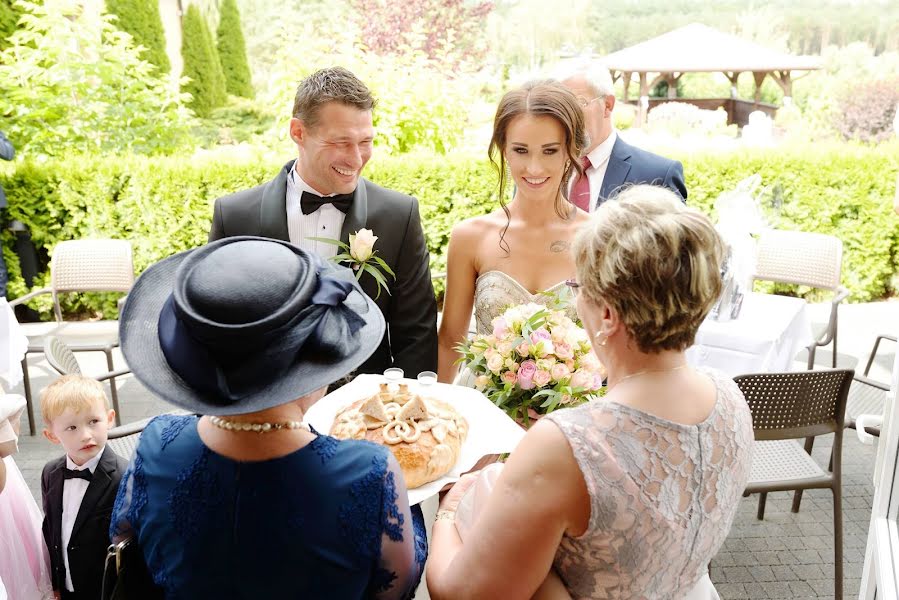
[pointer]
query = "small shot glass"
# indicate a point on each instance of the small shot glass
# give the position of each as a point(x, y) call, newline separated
point(393, 376)
point(426, 379)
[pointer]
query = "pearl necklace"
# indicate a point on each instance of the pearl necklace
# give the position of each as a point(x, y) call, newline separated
point(651, 371)
point(257, 427)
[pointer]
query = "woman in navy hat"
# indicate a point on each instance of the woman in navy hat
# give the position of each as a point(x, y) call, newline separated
point(247, 501)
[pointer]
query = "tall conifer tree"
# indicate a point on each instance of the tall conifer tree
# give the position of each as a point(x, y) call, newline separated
point(233, 51)
point(140, 18)
point(201, 64)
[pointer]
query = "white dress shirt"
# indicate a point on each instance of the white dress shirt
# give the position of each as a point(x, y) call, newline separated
point(599, 161)
point(72, 494)
point(326, 222)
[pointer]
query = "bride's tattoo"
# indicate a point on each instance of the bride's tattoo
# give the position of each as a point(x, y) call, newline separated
point(559, 246)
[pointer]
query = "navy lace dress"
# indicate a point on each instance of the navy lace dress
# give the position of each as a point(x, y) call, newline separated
point(331, 520)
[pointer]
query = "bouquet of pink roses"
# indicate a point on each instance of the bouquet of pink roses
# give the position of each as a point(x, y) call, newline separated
point(536, 360)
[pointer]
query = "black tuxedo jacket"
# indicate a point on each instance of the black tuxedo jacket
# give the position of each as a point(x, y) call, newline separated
point(629, 165)
point(90, 535)
point(410, 310)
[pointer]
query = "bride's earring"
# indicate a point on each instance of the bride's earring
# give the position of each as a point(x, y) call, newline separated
point(603, 341)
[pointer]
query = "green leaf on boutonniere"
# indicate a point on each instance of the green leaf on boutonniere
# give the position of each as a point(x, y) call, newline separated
point(378, 276)
point(345, 247)
point(383, 265)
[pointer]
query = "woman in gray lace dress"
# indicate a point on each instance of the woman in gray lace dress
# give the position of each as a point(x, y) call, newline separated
point(631, 495)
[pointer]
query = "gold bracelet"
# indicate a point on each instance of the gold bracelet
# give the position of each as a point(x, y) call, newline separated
point(445, 515)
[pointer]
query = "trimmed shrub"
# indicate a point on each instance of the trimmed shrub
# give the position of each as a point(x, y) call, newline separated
point(9, 17)
point(164, 205)
point(140, 19)
point(201, 64)
point(868, 111)
point(233, 51)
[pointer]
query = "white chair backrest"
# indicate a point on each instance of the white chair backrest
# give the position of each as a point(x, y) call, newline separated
point(812, 259)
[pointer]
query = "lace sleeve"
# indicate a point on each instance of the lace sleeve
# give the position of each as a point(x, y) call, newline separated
point(403, 540)
point(120, 525)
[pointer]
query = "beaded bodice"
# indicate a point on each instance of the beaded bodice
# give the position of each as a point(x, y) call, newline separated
point(496, 291)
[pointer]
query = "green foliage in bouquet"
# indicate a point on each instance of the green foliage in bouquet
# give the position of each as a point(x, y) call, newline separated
point(535, 361)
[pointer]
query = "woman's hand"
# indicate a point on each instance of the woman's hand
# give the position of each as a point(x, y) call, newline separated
point(452, 498)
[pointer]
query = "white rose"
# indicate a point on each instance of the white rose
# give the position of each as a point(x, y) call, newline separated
point(361, 244)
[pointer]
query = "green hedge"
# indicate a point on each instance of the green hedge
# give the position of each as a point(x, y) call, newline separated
point(164, 205)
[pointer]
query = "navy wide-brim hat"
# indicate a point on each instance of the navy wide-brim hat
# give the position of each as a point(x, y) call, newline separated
point(244, 324)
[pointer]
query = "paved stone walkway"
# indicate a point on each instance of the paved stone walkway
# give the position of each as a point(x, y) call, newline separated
point(787, 555)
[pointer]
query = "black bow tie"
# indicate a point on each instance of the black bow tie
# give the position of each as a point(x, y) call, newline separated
point(73, 474)
point(309, 202)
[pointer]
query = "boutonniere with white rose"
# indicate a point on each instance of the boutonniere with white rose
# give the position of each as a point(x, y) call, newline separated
point(361, 257)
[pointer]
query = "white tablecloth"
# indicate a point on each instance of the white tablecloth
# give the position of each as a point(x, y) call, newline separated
point(13, 345)
point(767, 335)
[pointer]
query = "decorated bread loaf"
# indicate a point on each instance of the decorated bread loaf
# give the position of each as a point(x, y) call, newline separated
point(424, 434)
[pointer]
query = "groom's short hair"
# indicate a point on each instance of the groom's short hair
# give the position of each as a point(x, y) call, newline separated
point(334, 84)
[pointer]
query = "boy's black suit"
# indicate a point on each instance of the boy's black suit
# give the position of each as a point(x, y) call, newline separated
point(90, 534)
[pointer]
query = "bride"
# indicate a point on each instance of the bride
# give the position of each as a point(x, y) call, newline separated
point(518, 252)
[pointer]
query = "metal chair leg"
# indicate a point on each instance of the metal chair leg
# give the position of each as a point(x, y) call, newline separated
point(112, 387)
point(834, 341)
point(763, 497)
point(838, 542)
point(29, 406)
point(797, 495)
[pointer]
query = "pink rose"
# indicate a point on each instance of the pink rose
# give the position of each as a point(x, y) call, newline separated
point(560, 371)
point(581, 379)
point(510, 377)
point(540, 334)
point(597, 381)
point(526, 374)
point(495, 363)
point(541, 377)
point(570, 364)
point(523, 349)
point(564, 351)
point(500, 327)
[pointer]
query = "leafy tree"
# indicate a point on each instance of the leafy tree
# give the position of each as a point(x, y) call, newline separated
point(447, 31)
point(71, 80)
point(233, 52)
point(9, 16)
point(141, 19)
point(206, 82)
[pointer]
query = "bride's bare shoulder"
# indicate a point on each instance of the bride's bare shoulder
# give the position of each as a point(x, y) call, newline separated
point(479, 226)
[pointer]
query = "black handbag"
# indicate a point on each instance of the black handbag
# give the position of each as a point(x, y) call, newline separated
point(125, 575)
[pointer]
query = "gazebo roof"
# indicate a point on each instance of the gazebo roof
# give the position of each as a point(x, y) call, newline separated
point(699, 48)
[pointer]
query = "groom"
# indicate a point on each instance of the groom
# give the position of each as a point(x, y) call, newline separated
point(321, 194)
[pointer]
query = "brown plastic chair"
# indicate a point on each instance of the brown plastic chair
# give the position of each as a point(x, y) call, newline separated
point(811, 259)
point(80, 266)
point(787, 407)
point(63, 360)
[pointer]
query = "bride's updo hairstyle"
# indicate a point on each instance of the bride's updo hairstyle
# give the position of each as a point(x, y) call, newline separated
point(540, 98)
point(655, 261)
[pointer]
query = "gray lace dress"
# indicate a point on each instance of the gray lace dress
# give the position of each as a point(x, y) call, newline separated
point(663, 495)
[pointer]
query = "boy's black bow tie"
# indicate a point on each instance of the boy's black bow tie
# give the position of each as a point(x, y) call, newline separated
point(73, 474)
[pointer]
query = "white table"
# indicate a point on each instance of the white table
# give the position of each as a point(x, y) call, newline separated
point(767, 335)
point(13, 345)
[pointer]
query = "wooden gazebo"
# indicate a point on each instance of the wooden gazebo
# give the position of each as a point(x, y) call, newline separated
point(696, 48)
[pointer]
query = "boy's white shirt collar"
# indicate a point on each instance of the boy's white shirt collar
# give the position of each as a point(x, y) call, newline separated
point(91, 464)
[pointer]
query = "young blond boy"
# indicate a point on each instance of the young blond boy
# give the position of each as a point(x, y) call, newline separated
point(78, 489)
